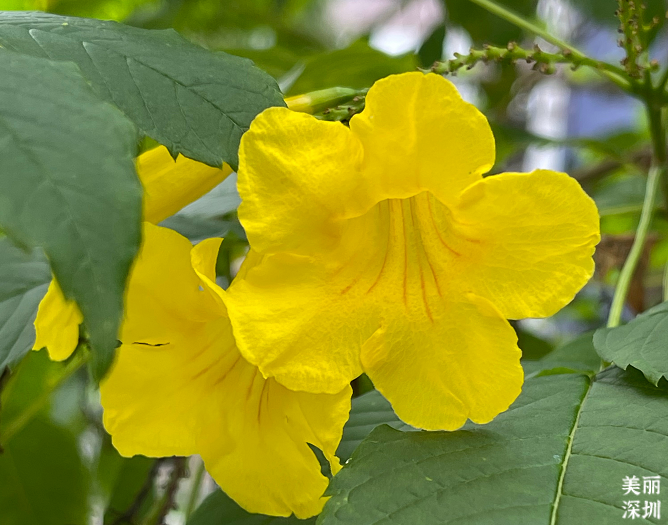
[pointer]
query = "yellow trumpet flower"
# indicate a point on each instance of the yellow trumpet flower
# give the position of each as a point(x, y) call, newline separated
point(383, 250)
point(179, 386)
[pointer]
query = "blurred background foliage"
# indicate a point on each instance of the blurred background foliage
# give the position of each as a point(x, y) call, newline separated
point(571, 121)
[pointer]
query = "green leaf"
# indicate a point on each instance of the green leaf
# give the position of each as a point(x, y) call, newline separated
point(69, 185)
point(195, 102)
point(221, 200)
point(558, 456)
point(24, 279)
point(623, 196)
point(208, 216)
point(197, 228)
point(532, 346)
point(29, 383)
point(367, 412)
point(578, 354)
point(42, 479)
point(219, 509)
point(357, 66)
point(642, 343)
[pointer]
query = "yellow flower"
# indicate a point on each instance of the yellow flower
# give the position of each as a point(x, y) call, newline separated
point(179, 386)
point(383, 250)
point(168, 186)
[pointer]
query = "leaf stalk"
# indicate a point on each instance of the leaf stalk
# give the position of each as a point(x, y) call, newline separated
point(657, 175)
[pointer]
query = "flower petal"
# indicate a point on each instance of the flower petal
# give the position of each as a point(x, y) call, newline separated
point(163, 295)
point(291, 321)
point(157, 398)
point(203, 258)
point(291, 161)
point(170, 184)
point(268, 466)
point(57, 324)
point(464, 364)
point(172, 335)
point(317, 311)
point(418, 134)
point(535, 236)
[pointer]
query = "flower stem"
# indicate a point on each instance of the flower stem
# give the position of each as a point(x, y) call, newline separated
point(613, 73)
point(195, 488)
point(162, 506)
point(657, 173)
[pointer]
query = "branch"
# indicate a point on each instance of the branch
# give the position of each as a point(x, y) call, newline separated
point(611, 72)
point(131, 512)
point(167, 502)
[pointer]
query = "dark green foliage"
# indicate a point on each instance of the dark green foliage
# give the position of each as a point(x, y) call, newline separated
point(642, 343)
point(368, 411)
point(510, 471)
point(69, 186)
point(219, 509)
point(42, 479)
point(193, 101)
point(24, 279)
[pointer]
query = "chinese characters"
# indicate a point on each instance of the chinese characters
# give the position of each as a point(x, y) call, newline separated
point(651, 485)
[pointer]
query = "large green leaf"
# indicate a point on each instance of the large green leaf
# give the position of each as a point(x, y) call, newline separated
point(642, 343)
point(42, 479)
point(557, 456)
point(367, 412)
point(219, 509)
point(24, 279)
point(577, 355)
point(69, 185)
point(195, 102)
